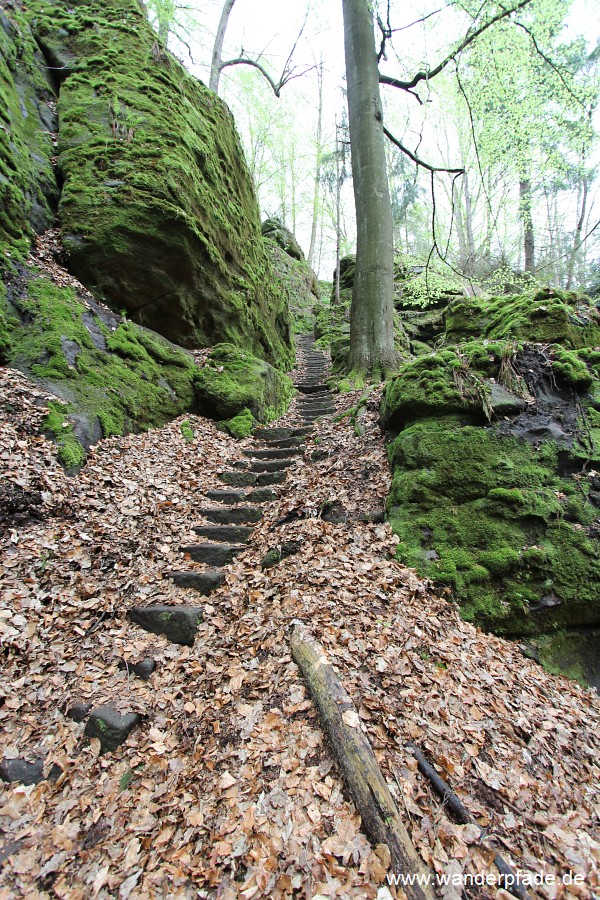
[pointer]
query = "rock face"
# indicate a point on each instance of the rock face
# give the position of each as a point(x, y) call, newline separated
point(495, 489)
point(28, 190)
point(157, 209)
point(299, 284)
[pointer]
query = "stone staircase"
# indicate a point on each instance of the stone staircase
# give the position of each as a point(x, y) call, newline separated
point(231, 513)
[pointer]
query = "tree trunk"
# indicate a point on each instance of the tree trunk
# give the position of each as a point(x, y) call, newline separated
point(528, 236)
point(313, 232)
point(577, 235)
point(338, 230)
point(469, 227)
point(217, 57)
point(372, 318)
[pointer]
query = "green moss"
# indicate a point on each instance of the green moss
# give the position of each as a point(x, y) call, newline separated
point(27, 183)
point(240, 426)
point(233, 382)
point(137, 381)
point(485, 514)
point(70, 449)
point(549, 317)
point(187, 432)
point(571, 369)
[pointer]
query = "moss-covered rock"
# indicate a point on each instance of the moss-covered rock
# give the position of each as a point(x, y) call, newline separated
point(494, 490)
point(157, 209)
point(298, 285)
point(233, 383)
point(112, 375)
point(548, 316)
point(276, 231)
point(28, 190)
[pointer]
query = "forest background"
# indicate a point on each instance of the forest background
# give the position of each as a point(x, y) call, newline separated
point(517, 110)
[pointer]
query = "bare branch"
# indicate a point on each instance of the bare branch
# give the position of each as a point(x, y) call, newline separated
point(244, 61)
point(419, 162)
point(468, 39)
point(424, 18)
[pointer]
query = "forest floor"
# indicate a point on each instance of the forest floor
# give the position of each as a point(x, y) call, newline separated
point(228, 788)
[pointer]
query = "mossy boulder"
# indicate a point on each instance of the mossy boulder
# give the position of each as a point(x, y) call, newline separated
point(28, 189)
point(276, 231)
point(157, 209)
point(110, 376)
point(547, 316)
point(495, 492)
point(233, 384)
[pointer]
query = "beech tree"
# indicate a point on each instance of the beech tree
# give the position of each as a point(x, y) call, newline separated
point(372, 350)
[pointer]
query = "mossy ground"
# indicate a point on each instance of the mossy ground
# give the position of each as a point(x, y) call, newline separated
point(233, 384)
point(114, 376)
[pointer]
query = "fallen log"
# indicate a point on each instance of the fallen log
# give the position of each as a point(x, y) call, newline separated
point(357, 761)
point(510, 880)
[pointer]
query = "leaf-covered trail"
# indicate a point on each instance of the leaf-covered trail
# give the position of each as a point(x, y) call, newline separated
point(228, 789)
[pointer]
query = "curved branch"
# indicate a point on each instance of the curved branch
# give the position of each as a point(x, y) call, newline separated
point(468, 39)
point(242, 61)
point(419, 162)
point(552, 65)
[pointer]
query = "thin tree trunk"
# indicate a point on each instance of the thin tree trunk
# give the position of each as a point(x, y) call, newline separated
point(313, 232)
point(469, 227)
point(338, 230)
point(217, 57)
point(372, 349)
point(577, 235)
point(528, 235)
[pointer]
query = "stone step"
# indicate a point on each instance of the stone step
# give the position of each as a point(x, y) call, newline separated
point(315, 400)
point(271, 465)
point(110, 727)
point(268, 478)
point(287, 443)
point(317, 407)
point(224, 534)
point(203, 582)
point(213, 554)
point(312, 417)
point(237, 479)
point(280, 434)
point(235, 515)
point(290, 453)
point(177, 623)
point(259, 495)
point(307, 387)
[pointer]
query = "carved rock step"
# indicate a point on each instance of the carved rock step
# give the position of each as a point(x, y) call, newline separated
point(226, 534)
point(236, 515)
point(308, 387)
point(290, 453)
point(316, 404)
point(259, 495)
point(271, 465)
point(177, 623)
point(213, 554)
point(267, 478)
point(280, 434)
point(237, 479)
point(317, 411)
point(203, 582)
point(110, 727)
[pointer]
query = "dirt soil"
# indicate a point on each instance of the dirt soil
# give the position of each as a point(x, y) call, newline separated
point(228, 788)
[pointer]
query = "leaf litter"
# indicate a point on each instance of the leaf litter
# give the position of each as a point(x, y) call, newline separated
point(228, 789)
